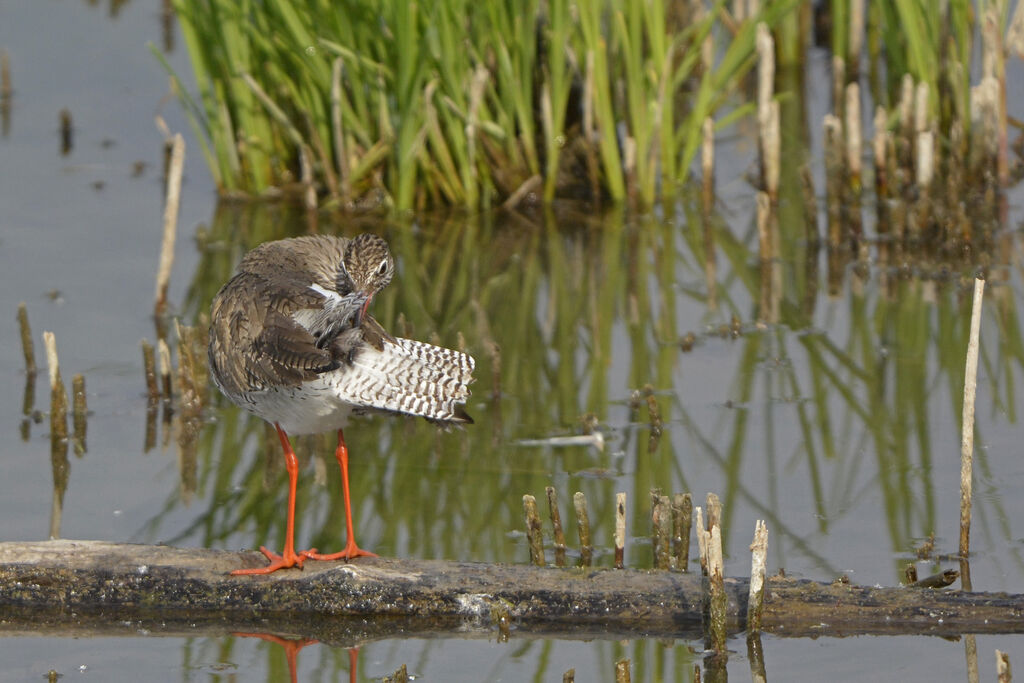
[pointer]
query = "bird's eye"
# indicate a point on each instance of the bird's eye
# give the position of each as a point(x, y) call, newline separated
point(383, 267)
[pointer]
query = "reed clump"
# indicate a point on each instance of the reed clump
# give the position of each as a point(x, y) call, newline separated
point(940, 145)
point(408, 105)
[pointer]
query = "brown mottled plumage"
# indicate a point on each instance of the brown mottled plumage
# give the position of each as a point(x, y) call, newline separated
point(291, 342)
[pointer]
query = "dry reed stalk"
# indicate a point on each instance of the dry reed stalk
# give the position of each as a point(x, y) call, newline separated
point(172, 201)
point(533, 530)
point(758, 559)
point(967, 422)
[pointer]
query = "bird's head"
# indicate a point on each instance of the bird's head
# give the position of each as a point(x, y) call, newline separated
point(369, 266)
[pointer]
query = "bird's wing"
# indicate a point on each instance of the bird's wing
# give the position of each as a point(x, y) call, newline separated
point(255, 339)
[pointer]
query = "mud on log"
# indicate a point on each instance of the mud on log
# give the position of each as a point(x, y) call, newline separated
point(91, 586)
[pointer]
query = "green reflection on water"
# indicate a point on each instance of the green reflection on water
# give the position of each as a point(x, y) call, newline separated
point(584, 309)
point(838, 398)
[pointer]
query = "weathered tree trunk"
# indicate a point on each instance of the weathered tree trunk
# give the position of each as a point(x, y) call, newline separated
point(91, 586)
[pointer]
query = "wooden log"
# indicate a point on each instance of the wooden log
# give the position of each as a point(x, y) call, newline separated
point(58, 586)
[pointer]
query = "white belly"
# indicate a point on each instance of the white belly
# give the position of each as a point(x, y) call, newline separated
point(312, 409)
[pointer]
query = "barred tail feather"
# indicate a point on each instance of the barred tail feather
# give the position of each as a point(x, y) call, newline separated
point(409, 377)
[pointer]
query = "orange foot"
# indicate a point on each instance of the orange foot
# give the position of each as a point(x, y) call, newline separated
point(350, 552)
point(288, 559)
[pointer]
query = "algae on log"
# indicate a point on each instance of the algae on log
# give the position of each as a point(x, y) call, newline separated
point(75, 586)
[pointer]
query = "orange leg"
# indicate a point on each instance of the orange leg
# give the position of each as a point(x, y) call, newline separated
point(351, 549)
point(291, 648)
point(288, 558)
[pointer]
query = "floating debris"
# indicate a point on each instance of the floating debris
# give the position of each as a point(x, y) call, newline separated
point(595, 439)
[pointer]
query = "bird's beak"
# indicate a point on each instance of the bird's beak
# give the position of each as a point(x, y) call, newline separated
point(362, 310)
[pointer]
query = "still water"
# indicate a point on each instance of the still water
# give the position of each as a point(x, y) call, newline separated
point(825, 402)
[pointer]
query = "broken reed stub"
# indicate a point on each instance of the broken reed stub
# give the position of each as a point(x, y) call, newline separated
point(661, 523)
point(718, 605)
point(620, 529)
point(682, 517)
point(758, 559)
point(534, 535)
point(579, 503)
point(27, 349)
point(556, 526)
